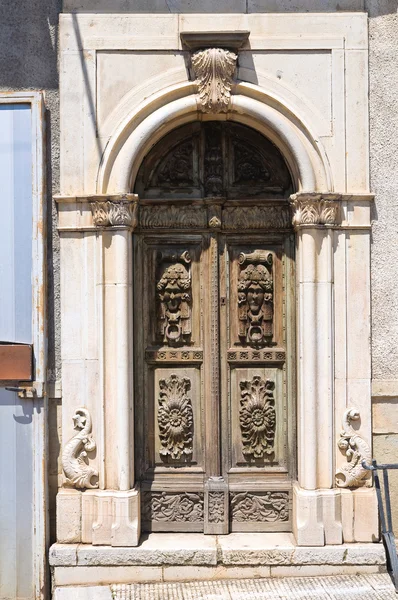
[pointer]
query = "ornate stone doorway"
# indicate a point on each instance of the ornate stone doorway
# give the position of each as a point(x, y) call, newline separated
point(214, 333)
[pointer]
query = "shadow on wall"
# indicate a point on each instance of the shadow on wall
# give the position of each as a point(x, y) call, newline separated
point(29, 44)
point(376, 7)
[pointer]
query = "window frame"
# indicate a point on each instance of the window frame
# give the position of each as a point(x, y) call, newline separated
point(35, 99)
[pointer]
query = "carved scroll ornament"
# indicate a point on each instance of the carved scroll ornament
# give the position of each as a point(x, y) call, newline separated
point(114, 213)
point(175, 417)
point(167, 507)
point(214, 69)
point(257, 417)
point(315, 209)
point(356, 450)
point(266, 507)
point(74, 457)
point(255, 298)
point(174, 296)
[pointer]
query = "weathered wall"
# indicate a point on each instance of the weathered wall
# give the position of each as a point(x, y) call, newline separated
point(383, 68)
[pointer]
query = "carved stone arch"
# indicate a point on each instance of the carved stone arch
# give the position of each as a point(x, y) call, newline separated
point(213, 158)
point(143, 129)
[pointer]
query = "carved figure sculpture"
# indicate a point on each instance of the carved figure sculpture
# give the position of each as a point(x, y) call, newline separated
point(174, 294)
point(255, 299)
point(257, 417)
point(356, 450)
point(74, 457)
point(175, 417)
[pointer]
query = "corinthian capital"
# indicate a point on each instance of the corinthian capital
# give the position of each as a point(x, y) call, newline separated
point(214, 69)
point(114, 211)
point(315, 209)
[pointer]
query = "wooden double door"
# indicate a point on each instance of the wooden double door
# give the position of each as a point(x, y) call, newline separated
point(214, 375)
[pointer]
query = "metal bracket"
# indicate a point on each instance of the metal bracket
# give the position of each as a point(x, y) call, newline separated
point(32, 391)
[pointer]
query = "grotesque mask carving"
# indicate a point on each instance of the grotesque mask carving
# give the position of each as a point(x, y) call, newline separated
point(174, 294)
point(255, 299)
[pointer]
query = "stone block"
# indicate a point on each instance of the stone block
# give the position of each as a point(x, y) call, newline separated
point(63, 555)
point(105, 575)
point(256, 549)
point(155, 549)
point(68, 516)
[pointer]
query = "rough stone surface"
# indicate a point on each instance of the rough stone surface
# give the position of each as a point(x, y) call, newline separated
point(63, 555)
point(383, 65)
point(155, 549)
point(191, 551)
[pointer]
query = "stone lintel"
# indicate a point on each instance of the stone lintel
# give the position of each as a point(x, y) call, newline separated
point(231, 40)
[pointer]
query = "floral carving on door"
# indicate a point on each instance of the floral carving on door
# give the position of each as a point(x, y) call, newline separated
point(175, 417)
point(257, 417)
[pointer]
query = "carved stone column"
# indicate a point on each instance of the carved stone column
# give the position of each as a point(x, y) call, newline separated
point(316, 513)
point(98, 461)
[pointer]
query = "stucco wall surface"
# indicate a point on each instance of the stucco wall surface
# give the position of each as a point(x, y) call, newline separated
point(383, 69)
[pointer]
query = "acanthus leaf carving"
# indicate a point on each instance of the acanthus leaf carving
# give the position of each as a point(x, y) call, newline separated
point(172, 507)
point(175, 417)
point(266, 507)
point(256, 217)
point(109, 213)
point(256, 298)
point(214, 69)
point(74, 457)
point(175, 298)
point(172, 217)
point(356, 449)
point(315, 209)
point(257, 417)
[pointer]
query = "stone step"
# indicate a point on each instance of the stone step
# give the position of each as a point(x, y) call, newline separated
point(353, 587)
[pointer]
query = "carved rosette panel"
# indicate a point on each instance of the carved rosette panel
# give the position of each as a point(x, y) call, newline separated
point(122, 213)
point(266, 507)
point(257, 417)
point(175, 417)
point(256, 298)
point(174, 299)
point(168, 507)
point(356, 450)
point(216, 507)
point(214, 69)
point(314, 209)
point(75, 465)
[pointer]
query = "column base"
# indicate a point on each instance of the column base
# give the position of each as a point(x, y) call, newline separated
point(317, 517)
point(110, 517)
point(331, 517)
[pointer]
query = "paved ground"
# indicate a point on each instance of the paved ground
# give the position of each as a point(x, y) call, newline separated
point(343, 587)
